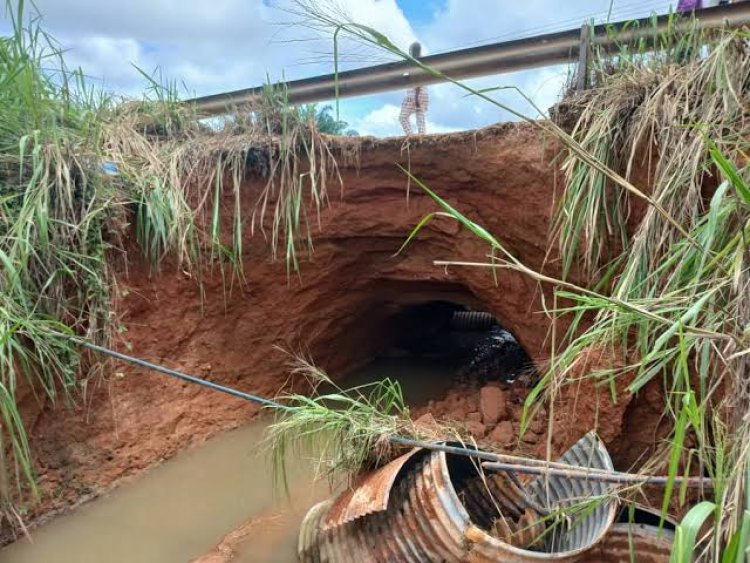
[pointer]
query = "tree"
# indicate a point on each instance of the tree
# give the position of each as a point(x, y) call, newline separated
point(327, 123)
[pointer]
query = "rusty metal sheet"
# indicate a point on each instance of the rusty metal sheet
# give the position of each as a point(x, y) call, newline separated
point(554, 491)
point(439, 508)
point(642, 541)
point(369, 494)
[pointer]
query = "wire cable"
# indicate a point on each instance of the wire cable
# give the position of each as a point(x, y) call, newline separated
point(184, 376)
point(499, 462)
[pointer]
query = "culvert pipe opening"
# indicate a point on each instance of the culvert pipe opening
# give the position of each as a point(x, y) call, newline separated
point(434, 345)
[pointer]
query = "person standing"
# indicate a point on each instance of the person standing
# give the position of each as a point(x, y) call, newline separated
point(415, 102)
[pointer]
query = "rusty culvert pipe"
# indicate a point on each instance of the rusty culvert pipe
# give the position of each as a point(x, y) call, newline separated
point(625, 543)
point(439, 508)
point(636, 537)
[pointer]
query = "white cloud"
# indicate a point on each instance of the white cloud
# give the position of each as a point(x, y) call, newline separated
point(383, 15)
point(211, 46)
point(383, 122)
point(111, 56)
point(545, 86)
point(163, 21)
point(465, 23)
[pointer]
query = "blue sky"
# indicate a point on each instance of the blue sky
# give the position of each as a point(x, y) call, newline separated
point(219, 45)
point(421, 12)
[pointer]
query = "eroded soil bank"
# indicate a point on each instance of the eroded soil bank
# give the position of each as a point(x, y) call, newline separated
point(339, 311)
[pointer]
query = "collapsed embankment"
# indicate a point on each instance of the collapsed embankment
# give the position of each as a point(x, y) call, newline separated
point(339, 310)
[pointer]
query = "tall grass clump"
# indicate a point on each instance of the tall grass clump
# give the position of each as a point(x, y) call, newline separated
point(646, 112)
point(54, 278)
point(181, 174)
point(343, 431)
point(686, 125)
point(665, 252)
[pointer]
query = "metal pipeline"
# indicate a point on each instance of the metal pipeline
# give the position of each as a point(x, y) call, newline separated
point(440, 508)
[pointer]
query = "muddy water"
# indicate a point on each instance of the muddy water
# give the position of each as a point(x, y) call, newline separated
point(421, 379)
point(181, 509)
point(173, 513)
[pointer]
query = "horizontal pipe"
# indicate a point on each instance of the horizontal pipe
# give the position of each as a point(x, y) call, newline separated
point(599, 476)
point(472, 320)
point(515, 464)
point(494, 458)
point(181, 375)
point(497, 58)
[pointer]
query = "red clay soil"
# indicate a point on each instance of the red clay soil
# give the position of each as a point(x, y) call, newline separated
point(337, 310)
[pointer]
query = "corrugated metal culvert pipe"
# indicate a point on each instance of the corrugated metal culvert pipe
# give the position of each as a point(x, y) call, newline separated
point(636, 536)
point(625, 543)
point(433, 506)
point(472, 320)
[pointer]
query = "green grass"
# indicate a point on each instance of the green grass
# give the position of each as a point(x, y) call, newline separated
point(344, 431)
point(687, 122)
point(53, 274)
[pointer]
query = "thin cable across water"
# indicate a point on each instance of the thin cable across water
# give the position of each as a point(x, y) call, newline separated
point(500, 462)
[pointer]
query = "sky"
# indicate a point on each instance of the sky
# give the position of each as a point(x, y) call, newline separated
point(212, 46)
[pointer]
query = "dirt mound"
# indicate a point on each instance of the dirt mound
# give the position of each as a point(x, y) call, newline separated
point(463, 407)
